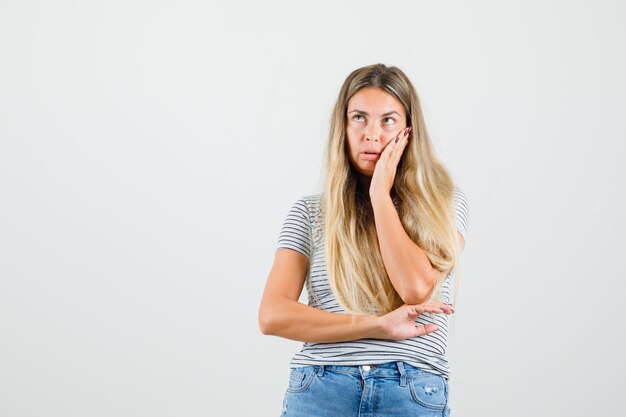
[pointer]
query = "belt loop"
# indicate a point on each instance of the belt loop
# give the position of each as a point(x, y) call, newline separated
point(320, 370)
point(402, 373)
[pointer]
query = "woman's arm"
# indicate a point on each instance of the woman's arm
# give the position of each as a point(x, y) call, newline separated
point(296, 321)
point(409, 269)
point(280, 313)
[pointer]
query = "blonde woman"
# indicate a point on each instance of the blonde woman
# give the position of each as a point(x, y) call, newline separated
point(378, 251)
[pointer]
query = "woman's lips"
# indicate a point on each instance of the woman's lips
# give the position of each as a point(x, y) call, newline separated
point(370, 156)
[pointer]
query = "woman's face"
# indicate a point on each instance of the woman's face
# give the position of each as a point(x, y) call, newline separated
point(373, 118)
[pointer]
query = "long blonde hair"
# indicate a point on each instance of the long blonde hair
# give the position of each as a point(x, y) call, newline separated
point(422, 186)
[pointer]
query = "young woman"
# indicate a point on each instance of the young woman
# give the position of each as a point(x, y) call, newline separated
point(378, 251)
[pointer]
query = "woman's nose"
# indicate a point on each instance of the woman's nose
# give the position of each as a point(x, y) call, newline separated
point(373, 135)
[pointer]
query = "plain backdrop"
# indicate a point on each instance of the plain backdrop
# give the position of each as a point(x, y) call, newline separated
point(150, 150)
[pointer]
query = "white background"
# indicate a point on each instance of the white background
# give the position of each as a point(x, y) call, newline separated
point(150, 150)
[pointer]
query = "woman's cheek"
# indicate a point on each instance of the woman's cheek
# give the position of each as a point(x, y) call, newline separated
point(350, 130)
point(351, 134)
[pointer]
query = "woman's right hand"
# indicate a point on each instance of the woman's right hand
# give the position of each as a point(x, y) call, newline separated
point(400, 323)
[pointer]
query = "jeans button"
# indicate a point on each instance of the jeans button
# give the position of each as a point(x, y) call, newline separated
point(366, 367)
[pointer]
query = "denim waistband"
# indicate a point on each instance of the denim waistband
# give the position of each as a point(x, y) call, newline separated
point(398, 369)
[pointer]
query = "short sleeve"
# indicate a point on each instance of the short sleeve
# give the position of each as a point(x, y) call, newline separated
point(461, 212)
point(296, 230)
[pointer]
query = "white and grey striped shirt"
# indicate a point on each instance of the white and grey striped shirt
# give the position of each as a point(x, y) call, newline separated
point(302, 231)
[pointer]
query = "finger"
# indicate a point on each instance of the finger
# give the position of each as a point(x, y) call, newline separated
point(384, 155)
point(398, 149)
point(429, 304)
point(404, 134)
point(421, 309)
point(401, 134)
point(446, 308)
point(392, 142)
point(413, 312)
point(434, 303)
point(425, 329)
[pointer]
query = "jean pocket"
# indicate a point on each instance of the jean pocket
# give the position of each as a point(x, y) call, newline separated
point(300, 378)
point(429, 390)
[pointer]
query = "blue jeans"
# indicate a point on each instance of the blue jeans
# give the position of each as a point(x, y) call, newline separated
point(383, 390)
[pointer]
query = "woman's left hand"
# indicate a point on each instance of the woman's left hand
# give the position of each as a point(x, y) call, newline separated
point(385, 169)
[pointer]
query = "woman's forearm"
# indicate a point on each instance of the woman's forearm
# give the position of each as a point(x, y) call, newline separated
point(293, 320)
point(408, 267)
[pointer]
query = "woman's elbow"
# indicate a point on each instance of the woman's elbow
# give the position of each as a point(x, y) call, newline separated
point(265, 322)
point(415, 297)
point(417, 294)
point(270, 318)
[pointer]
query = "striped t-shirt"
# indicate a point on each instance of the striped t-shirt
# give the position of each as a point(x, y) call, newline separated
point(302, 231)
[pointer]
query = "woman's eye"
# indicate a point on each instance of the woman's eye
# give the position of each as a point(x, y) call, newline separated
point(358, 115)
point(391, 120)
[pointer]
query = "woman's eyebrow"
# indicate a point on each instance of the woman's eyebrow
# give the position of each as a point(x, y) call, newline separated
point(367, 114)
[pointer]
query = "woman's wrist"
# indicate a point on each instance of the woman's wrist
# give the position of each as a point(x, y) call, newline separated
point(368, 325)
point(380, 202)
point(376, 196)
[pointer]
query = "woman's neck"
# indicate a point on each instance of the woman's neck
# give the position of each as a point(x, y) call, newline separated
point(364, 184)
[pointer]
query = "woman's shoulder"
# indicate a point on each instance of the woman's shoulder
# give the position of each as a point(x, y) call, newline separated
point(460, 199)
point(313, 201)
point(461, 211)
point(313, 204)
point(309, 201)
point(311, 198)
